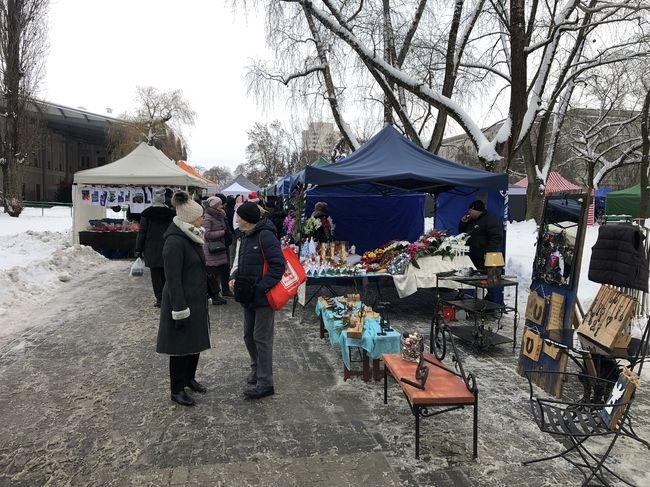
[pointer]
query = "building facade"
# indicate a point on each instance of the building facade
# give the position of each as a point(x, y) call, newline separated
point(320, 137)
point(70, 140)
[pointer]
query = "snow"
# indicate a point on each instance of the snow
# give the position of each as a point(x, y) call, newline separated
point(37, 256)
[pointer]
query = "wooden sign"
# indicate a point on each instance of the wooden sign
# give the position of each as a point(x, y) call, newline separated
point(535, 308)
point(532, 345)
point(552, 351)
point(606, 319)
point(556, 312)
point(625, 386)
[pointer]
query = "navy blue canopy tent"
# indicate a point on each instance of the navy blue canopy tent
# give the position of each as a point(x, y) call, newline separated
point(391, 160)
point(389, 163)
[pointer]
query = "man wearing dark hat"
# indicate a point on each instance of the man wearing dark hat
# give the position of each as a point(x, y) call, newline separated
point(259, 244)
point(485, 235)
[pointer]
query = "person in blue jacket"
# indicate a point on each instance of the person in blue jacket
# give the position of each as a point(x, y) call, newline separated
point(258, 244)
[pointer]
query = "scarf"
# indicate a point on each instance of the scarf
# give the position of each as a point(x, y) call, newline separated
point(193, 233)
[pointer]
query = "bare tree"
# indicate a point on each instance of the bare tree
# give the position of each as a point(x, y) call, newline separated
point(158, 120)
point(219, 174)
point(267, 153)
point(530, 56)
point(23, 42)
point(607, 138)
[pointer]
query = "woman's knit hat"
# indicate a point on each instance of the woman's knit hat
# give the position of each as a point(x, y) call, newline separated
point(187, 209)
point(214, 202)
point(249, 212)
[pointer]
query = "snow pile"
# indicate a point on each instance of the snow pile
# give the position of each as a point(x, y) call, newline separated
point(36, 258)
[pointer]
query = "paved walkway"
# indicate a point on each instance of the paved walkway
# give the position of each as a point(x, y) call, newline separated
point(84, 401)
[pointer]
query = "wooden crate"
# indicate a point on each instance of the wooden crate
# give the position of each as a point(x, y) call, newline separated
point(355, 330)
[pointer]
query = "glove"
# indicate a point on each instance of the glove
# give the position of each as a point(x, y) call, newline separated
point(180, 324)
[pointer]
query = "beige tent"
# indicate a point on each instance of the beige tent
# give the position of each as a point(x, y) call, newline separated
point(144, 166)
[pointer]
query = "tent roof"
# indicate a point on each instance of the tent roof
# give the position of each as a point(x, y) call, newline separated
point(187, 168)
point(631, 191)
point(602, 192)
point(390, 159)
point(244, 182)
point(234, 189)
point(554, 184)
point(143, 166)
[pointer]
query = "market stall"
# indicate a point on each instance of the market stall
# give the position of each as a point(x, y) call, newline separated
point(127, 181)
point(391, 165)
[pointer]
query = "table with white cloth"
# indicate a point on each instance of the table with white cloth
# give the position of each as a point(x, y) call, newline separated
point(426, 276)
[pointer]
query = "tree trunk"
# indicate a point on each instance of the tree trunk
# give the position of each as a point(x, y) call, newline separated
point(519, 80)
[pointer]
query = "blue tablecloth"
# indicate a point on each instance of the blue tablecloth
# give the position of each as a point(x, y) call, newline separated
point(373, 343)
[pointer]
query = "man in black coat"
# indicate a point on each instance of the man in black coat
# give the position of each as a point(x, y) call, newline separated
point(485, 235)
point(259, 245)
point(154, 221)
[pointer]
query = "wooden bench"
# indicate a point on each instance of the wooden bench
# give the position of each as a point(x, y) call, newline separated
point(444, 388)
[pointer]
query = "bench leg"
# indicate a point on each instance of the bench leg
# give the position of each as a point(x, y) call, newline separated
point(416, 413)
point(385, 385)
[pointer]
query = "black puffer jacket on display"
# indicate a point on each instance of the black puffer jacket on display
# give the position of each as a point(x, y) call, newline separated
point(618, 257)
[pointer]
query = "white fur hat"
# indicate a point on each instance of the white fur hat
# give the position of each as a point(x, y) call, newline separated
point(187, 209)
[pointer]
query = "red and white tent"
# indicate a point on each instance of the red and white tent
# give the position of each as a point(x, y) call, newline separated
point(557, 184)
point(554, 184)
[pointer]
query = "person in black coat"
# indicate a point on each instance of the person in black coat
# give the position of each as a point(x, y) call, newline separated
point(258, 244)
point(154, 221)
point(485, 235)
point(184, 329)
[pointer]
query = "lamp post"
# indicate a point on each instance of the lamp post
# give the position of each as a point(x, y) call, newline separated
point(493, 263)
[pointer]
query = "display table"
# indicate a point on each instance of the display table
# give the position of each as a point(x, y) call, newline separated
point(328, 281)
point(427, 275)
point(110, 244)
point(371, 343)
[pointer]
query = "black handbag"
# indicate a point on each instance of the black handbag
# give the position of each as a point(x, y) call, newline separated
point(216, 247)
point(244, 290)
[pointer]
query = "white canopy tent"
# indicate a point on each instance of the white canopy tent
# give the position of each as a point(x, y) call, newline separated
point(235, 189)
point(144, 166)
point(240, 185)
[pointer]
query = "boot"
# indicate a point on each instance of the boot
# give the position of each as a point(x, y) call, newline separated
point(182, 398)
point(197, 387)
point(218, 301)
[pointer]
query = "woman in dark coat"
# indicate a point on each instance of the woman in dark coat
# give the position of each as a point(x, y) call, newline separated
point(154, 221)
point(258, 244)
point(216, 230)
point(184, 330)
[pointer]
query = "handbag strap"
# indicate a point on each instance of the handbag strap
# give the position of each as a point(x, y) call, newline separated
point(265, 266)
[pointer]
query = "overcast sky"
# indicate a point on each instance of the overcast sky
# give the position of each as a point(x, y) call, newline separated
point(101, 50)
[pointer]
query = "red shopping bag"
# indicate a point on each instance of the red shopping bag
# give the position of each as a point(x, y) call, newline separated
point(294, 275)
